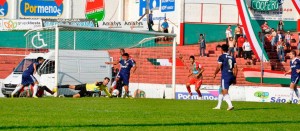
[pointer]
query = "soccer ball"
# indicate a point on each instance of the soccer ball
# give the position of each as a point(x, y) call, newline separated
point(115, 93)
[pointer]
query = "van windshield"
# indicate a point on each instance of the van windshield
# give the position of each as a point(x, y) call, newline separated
point(23, 65)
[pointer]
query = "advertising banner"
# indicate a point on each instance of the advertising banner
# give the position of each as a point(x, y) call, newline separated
point(209, 92)
point(21, 24)
point(274, 10)
point(73, 22)
point(3, 8)
point(269, 94)
point(124, 25)
point(263, 5)
point(167, 5)
point(95, 10)
point(41, 8)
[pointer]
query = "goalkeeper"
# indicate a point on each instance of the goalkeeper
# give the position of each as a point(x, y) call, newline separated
point(85, 88)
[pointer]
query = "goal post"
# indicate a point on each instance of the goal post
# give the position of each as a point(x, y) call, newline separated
point(154, 53)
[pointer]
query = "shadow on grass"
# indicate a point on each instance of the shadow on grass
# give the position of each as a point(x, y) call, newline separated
point(240, 109)
point(149, 125)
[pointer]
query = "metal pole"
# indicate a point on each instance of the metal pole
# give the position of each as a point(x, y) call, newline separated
point(147, 10)
point(56, 55)
point(174, 67)
point(74, 40)
point(262, 65)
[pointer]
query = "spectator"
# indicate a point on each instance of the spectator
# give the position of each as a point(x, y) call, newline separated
point(228, 33)
point(150, 23)
point(165, 26)
point(280, 50)
point(238, 32)
point(248, 52)
point(240, 42)
point(265, 29)
point(288, 41)
point(280, 26)
point(273, 41)
point(260, 36)
point(231, 46)
point(278, 37)
point(242, 30)
point(202, 45)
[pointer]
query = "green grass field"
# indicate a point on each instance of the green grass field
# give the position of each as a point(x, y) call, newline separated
point(143, 114)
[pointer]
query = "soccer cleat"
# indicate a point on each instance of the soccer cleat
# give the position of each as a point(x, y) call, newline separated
point(189, 96)
point(230, 108)
point(35, 97)
point(54, 90)
point(289, 102)
point(199, 98)
point(125, 95)
point(217, 108)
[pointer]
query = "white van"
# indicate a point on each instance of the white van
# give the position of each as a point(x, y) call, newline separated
point(75, 67)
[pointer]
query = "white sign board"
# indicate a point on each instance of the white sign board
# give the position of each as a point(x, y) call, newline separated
point(124, 25)
point(286, 12)
point(268, 94)
point(21, 24)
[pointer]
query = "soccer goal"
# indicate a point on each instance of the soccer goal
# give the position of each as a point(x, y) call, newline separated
point(77, 55)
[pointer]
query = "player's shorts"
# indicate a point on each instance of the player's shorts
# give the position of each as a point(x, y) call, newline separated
point(227, 82)
point(82, 89)
point(28, 79)
point(197, 82)
point(295, 80)
point(124, 78)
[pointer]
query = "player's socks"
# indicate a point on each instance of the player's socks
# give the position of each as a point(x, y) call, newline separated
point(291, 94)
point(189, 90)
point(220, 99)
point(16, 90)
point(114, 85)
point(35, 88)
point(63, 86)
point(227, 99)
point(297, 93)
point(199, 93)
point(126, 94)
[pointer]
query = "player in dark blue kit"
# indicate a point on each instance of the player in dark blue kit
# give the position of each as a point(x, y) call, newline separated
point(228, 67)
point(295, 70)
point(28, 78)
point(126, 65)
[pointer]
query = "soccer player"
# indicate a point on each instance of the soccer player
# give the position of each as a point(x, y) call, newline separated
point(196, 77)
point(294, 70)
point(127, 65)
point(84, 88)
point(115, 83)
point(228, 67)
point(28, 78)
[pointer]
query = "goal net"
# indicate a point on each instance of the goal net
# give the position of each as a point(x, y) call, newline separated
point(77, 55)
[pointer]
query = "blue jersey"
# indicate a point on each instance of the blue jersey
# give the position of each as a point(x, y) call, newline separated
point(126, 66)
point(228, 63)
point(295, 65)
point(30, 69)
